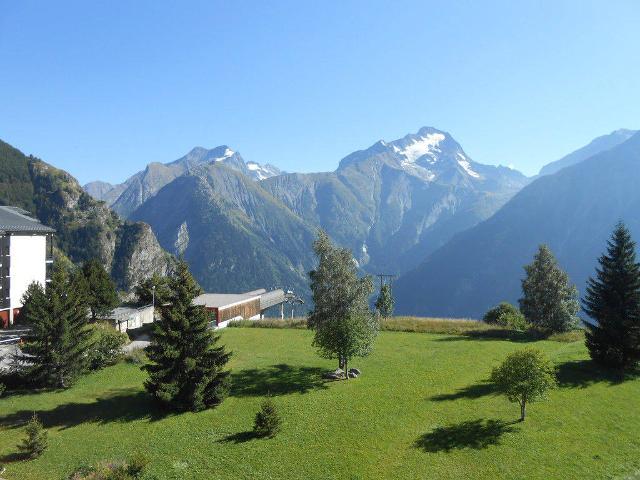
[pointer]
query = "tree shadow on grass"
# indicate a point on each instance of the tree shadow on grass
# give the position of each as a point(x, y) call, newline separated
point(472, 391)
point(121, 406)
point(240, 437)
point(475, 434)
point(495, 334)
point(278, 379)
point(582, 373)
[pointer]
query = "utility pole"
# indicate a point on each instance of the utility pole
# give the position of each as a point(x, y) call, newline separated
point(386, 278)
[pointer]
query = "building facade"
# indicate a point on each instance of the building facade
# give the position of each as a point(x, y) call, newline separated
point(26, 256)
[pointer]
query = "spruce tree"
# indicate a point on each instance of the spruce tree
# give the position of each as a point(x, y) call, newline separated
point(36, 441)
point(549, 300)
point(186, 367)
point(385, 301)
point(267, 422)
point(613, 301)
point(102, 296)
point(342, 322)
point(55, 352)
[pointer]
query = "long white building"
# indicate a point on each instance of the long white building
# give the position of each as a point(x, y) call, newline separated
point(26, 256)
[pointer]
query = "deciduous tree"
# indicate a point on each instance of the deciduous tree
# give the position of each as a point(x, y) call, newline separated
point(525, 376)
point(549, 300)
point(344, 326)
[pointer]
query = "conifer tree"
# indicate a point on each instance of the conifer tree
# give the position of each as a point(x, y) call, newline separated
point(55, 350)
point(36, 441)
point(343, 324)
point(186, 367)
point(549, 300)
point(613, 301)
point(267, 421)
point(102, 296)
point(385, 301)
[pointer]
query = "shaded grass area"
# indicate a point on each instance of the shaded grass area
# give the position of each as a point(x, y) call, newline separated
point(421, 409)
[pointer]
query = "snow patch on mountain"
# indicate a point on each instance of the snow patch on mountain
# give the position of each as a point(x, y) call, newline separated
point(464, 163)
point(420, 147)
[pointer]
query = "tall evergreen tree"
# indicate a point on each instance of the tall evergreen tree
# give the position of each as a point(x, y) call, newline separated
point(549, 300)
point(102, 296)
point(343, 324)
point(55, 350)
point(186, 367)
point(613, 301)
point(385, 301)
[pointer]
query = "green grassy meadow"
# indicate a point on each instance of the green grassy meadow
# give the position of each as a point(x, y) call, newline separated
point(421, 409)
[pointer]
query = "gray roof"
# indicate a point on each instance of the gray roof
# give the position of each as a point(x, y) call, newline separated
point(222, 300)
point(15, 219)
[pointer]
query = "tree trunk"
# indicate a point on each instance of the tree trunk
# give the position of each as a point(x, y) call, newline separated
point(523, 410)
point(346, 371)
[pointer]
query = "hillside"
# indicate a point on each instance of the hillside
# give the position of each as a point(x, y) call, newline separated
point(597, 145)
point(421, 409)
point(85, 228)
point(234, 235)
point(573, 211)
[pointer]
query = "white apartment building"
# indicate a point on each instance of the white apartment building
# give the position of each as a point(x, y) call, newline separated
point(26, 256)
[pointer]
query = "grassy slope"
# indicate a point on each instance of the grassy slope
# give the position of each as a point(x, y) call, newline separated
point(382, 425)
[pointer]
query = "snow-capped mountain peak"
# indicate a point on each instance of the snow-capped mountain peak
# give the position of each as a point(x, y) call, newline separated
point(420, 146)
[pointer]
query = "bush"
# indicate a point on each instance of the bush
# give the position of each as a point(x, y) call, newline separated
point(267, 423)
point(37, 439)
point(513, 320)
point(136, 357)
point(504, 308)
point(129, 470)
point(106, 347)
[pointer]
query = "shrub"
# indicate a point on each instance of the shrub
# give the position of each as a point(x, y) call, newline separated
point(513, 320)
point(267, 423)
point(107, 346)
point(36, 441)
point(119, 470)
point(136, 357)
point(503, 309)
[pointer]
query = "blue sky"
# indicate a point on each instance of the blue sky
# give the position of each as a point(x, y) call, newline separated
point(102, 88)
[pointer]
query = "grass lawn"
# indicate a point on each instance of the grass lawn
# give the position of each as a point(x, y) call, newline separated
point(420, 410)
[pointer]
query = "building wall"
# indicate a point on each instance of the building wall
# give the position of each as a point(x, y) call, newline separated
point(28, 264)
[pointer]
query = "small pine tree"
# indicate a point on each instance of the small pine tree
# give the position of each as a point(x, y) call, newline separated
point(524, 376)
point(385, 301)
point(186, 367)
point(549, 301)
point(267, 422)
point(613, 301)
point(36, 441)
point(57, 345)
point(102, 296)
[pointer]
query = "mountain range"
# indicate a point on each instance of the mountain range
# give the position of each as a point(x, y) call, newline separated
point(242, 225)
point(573, 211)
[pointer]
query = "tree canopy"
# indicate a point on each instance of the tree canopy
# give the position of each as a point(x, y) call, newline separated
point(344, 326)
point(549, 301)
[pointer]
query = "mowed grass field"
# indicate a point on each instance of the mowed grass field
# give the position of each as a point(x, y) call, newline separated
point(421, 409)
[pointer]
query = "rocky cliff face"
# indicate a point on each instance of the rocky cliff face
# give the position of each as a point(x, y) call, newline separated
point(85, 228)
